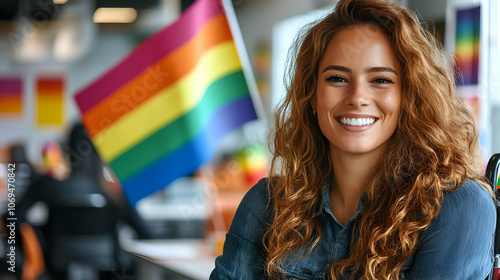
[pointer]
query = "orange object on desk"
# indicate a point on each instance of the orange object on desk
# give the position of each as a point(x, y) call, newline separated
point(34, 265)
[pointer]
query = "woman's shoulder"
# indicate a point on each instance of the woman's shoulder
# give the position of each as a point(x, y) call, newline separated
point(470, 192)
point(259, 190)
point(462, 232)
point(256, 200)
point(470, 201)
point(253, 214)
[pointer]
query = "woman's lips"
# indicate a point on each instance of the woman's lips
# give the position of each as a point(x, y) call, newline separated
point(357, 123)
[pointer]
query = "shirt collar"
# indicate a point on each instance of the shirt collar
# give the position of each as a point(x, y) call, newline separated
point(325, 198)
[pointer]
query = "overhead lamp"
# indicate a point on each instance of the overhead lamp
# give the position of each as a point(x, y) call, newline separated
point(59, 1)
point(115, 15)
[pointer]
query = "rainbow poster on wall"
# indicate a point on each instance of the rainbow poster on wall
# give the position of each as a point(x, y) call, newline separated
point(163, 110)
point(50, 101)
point(467, 45)
point(11, 96)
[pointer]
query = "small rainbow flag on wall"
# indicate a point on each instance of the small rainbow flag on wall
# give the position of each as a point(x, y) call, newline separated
point(162, 111)
point(11, 96)
point(467, 45)
point(50, 101)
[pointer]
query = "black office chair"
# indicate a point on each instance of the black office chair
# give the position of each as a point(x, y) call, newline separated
point(84, 238)
point(492, 173)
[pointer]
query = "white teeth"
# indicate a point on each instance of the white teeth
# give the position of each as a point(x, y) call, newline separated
point(357, 122)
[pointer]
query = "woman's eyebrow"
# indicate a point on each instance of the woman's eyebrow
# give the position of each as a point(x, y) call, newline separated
point(337, 67)
point(368, 70)
point(381, 69)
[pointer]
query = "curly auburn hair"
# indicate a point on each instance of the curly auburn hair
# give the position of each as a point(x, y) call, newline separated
point(434, 148)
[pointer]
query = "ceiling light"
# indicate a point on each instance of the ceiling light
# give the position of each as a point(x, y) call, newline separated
point(115, 15)
point(59, 1)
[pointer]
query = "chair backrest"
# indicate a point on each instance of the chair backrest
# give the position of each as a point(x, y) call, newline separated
point(83, 230)
point(83, 214)
point(492, 172)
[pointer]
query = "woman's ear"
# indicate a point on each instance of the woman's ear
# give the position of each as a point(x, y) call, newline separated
point(313, 103)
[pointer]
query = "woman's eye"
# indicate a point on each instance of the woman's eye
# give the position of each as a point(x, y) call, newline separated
point(382, 81)
point(336, 79)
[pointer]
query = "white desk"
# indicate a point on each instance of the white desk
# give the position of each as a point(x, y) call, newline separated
point(183, 258)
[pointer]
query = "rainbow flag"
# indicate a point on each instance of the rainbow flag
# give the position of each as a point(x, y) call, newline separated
point(162, 111)
point(50, 101)
point(11, 97)
point(467, 45)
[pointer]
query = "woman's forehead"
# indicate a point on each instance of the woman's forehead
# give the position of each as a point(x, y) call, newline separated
point(360, 47)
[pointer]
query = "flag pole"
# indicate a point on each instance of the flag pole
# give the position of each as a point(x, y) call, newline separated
point(245, 62)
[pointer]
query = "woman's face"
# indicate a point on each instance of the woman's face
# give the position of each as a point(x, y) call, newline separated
point(358, 93)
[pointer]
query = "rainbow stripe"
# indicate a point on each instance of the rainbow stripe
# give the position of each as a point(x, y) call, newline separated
point(50, 101)
point(467, 45)
point(11, 96)
point(163, 110)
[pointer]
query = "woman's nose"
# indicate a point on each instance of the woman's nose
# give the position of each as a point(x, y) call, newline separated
point(358, 95)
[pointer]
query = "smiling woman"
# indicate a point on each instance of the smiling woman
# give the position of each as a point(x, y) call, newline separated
point(377, 172)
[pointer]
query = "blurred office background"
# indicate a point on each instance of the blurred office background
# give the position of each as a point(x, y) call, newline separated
point(67, 44)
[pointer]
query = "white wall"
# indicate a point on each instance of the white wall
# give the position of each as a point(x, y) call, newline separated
point(257, 18)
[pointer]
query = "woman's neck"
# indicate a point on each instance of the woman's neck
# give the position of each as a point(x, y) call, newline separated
point(350, 174)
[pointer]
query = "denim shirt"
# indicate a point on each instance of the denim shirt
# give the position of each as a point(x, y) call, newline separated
point(457, 245)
